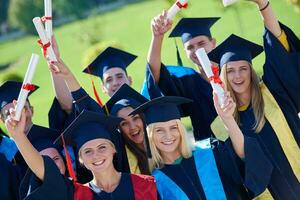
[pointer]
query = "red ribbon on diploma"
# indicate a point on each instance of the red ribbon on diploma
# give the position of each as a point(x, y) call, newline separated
point(46, 18)
point(181, 5)
point(29, 87)
point(215, 78)
point(44, 46)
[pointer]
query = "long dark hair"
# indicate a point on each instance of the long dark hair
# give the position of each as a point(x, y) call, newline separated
point(140, 154)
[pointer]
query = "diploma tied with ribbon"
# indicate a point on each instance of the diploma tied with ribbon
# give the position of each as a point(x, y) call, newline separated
point(26, 86)
point(44, 41)
point(212, 72)
point(176, 8)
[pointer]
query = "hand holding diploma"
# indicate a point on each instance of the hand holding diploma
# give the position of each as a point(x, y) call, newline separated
point(27, 86)
point(160, 25)
point(212, 72)
point(180, 4)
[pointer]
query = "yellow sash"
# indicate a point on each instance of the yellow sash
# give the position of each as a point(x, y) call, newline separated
point(133, 163)
point(280, 126)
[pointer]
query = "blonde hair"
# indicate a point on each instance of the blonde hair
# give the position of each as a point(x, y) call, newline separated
point(184, 148)
point(257, 101)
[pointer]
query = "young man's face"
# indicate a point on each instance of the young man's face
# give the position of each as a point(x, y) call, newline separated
point(29, 113)
point(197, 42)
point(113, 79)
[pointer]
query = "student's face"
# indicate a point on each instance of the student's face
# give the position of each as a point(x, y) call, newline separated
point(28, 111)
point(239, 76)
point(56, 157)
point(97, 154)
point(166, 136)
point(113, 79)
point(197, 42)
point(132, 126)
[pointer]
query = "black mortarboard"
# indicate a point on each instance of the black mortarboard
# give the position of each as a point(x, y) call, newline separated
point(109, 58)
point(10, 90)
point(88, 126)
point(124, 97)
point(42, 138)
point(188, 28)
point(161, 109)
point(235, 48)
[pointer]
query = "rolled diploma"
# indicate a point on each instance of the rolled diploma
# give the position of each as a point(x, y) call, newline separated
point(48, 13)
point(175, 9)
point(42, 34)
point(27, 80)
point(229, 2)
point(206, 65)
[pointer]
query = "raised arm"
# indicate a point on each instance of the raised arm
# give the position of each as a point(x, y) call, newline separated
point(62, 93)
point(31, 156)
point(270, 20)
point(159, 26)
point(226, 114)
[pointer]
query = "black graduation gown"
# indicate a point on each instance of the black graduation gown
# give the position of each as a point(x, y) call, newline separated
point(9, 184)
point(282, 76)
point(283, 183)
point(241, 179)
point(56, 186)
point(58, 118)
point(192, 86)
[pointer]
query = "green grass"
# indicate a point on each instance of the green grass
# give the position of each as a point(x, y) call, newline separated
point(130, 26)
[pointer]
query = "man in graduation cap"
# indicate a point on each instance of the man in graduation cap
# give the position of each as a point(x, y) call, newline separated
point(195, 33)
point(110, 66)
point(9, 91)
point(12, 163)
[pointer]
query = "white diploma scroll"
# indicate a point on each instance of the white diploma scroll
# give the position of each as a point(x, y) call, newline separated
point(207, 67)
point(176, 8)
point(44, 39)
point(48, 18)
point(229, 2)
point(26, 85)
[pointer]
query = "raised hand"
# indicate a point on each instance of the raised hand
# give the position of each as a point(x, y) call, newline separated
point(16, 128)
point(160, 24)
point(226, 112)
point(63, 70)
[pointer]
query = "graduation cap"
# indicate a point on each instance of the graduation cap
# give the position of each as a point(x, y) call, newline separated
point(42, 138)
point(161, 109)
point(235, 48)
point(109, 58)
point(124, 97)
point(88, 126)
point(188, 28)
point(10, 90)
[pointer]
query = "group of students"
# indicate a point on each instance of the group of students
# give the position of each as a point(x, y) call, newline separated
point(136, 148)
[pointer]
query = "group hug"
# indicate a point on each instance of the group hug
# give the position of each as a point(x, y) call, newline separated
point(135, 146)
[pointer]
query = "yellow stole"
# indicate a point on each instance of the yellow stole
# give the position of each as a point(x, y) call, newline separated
point(280, 126)
point(133, 163)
